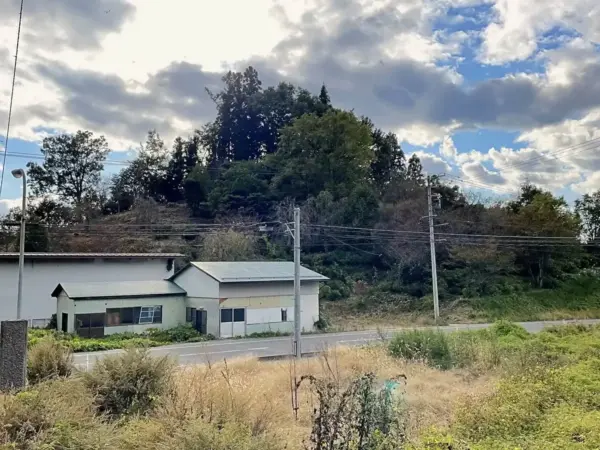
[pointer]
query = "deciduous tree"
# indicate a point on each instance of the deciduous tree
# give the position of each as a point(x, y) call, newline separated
point(72, 167)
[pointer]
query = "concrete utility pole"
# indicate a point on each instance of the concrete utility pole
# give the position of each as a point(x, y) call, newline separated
point(297, 303)
point(436, 300)
point(20, 173)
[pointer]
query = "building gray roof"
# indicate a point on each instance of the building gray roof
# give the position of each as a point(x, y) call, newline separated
point(120, 289)
point(47, 255)
point(253, 271)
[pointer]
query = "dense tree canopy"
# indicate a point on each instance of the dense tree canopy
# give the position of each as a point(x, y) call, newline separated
point(270, 148)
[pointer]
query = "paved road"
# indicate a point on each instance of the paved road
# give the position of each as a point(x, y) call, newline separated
point(203, 352)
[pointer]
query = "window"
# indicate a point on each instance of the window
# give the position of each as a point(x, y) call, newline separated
point(226, 316)
point(233, 315)
point(189, 314)
point(89, 325)
point(283, 315)
point(239, 315)
point(157, 318)
point(139, 315)
point(113, 317)
point(82, 320)
point(127, 316)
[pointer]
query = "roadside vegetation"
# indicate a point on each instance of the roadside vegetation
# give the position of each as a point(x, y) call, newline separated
point(150, 338)
point(497, 388)
point(577, 297)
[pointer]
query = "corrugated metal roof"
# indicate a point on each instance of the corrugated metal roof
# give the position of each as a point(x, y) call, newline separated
point(82, 291)
point(47, 255)
point(250, 271)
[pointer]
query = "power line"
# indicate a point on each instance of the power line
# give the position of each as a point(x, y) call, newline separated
point(576, 148)
point(482, 185)
point(12, 94)
point(555, 153)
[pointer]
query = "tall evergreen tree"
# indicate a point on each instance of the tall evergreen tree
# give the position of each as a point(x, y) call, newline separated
point(389, 162)
point(414, 172)
point(324, 96)
point(184, 158)
point(237, 126)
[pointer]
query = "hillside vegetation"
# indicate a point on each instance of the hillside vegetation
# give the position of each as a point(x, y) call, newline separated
point(363, 204)
point(489, 389)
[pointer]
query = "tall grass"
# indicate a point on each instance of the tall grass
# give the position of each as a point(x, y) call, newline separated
point(243, 404)
point(504, 345)
point(493, 395)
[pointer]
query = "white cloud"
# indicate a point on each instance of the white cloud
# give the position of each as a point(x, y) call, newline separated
point(424, 135)
point(589, 185)
point(432, 164)
point(475, 171)
point(448, 149)
point(519, 24)
point(7, 204)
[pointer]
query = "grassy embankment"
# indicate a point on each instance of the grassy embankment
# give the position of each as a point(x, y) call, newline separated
point(578, 298)
point(491, 389)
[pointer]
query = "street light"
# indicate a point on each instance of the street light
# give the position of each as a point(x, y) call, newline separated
point(20, 173)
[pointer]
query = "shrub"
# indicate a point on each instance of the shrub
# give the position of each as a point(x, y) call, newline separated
point(28, 416)
point(268, 334)
point(94, 345)
point(324, 322)
point(182, 333)
point(504, 328)
point(359, 416)
point(53, 324)
point(128, 383)
point(428, 346)
point(573, 329)
point(48, 359)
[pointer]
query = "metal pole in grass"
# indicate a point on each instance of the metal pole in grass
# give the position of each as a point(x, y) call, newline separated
point(297, 300)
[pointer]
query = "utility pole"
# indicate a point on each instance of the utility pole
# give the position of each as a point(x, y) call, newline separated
point(297, 305)
point(436, 300)
point(20, 173)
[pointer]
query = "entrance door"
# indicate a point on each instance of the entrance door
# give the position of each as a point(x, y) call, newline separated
point(64, 325)
point(233, 322)
point(200, 318)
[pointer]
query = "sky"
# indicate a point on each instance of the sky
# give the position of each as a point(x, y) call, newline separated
point(490, 93)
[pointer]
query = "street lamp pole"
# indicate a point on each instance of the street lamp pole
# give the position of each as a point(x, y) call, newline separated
point(20, 173)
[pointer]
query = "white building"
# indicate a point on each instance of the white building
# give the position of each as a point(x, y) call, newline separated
point(43, 271)
point(224, 299)
point(239, 298)
point(99, 309)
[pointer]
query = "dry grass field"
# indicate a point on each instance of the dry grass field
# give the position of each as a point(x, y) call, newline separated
point(491, 389)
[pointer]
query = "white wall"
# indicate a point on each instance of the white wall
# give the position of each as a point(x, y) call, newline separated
point(173, 311)
point(310, 311)
point(63, 305)
point(211, 306)
point(197, 284)
point(274, 295)
point(42, 276)
point(267, 315)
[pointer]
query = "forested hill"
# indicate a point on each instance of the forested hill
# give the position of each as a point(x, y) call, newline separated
point(270, 148)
